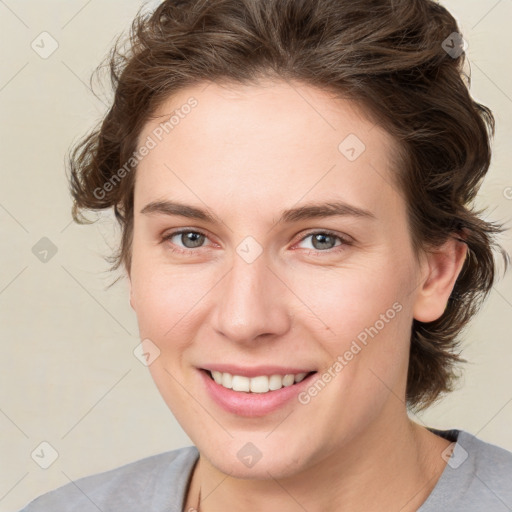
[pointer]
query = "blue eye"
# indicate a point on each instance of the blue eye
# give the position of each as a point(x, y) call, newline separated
point(321, 241)
point(194, 238)
point(324, 240)
point(189, 239)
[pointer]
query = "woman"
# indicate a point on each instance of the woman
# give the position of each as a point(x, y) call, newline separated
point(294, 181)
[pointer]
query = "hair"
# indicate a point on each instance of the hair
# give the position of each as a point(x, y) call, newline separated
point(387, 55)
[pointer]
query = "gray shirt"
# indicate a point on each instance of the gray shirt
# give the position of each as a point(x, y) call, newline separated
point(477, 477)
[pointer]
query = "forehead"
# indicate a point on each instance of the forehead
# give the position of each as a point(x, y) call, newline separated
point(269, 143)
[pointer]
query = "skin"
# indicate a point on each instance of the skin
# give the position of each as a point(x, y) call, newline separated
point(245, 153)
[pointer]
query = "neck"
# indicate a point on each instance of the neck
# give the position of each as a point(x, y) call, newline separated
point(374, 472)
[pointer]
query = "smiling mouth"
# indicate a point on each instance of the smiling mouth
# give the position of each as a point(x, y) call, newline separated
point(258, 384)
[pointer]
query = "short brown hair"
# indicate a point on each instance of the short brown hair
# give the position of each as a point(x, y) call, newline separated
point(388, 55)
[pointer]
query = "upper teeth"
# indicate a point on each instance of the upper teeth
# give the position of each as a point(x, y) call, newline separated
point(260, 384)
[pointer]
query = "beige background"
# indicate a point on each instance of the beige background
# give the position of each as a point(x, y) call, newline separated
point(69, 376)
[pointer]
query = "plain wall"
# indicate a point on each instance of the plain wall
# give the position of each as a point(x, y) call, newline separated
point(68, 373)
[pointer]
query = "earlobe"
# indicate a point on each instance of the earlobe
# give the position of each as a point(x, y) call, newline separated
point(443, 266)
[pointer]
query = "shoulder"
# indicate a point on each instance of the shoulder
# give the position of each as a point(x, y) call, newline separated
point(490, 463)
point(477, 476)
point(151, 483)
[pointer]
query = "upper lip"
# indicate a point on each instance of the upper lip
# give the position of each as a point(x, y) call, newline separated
point(256, 371)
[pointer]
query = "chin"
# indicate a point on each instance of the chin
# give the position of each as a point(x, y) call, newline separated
point(258, 460)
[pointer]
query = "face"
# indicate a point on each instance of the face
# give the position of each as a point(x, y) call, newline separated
point(268, 279)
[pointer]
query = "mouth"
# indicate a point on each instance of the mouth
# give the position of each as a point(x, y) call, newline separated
point(257, 391)
point(259, 384)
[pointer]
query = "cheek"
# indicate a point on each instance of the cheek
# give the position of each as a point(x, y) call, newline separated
point(165, 297)
point(346, 301)
point(165, 307)
point(367, 311)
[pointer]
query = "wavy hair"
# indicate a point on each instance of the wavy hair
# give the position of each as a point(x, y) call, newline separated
point(400, 60)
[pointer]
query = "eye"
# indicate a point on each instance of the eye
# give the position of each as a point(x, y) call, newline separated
point(184, 241)
point(186, 238)
point(325, 241)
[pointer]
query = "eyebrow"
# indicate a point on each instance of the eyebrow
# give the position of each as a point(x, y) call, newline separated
point(308, 211)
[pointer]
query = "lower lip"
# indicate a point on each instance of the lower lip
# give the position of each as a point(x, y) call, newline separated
point(252, 404)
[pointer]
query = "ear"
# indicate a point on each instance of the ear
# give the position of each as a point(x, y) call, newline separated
point(442, 266)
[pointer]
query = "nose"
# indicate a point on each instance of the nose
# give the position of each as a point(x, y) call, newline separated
point(252, 302)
